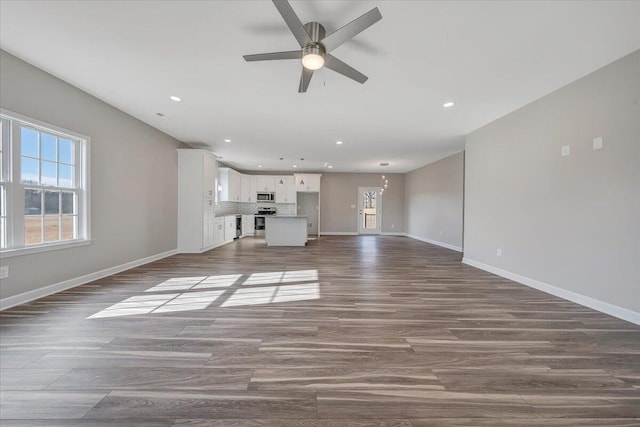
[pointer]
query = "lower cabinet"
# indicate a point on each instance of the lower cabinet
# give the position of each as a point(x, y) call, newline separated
point(229, 227)
point(218, 230)
point(208, 234)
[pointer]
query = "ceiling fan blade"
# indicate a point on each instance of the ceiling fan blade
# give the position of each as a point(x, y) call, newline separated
point(292, 54)
point(293, 22)
point(333, 63)
point(353, 28)
point(305, 78)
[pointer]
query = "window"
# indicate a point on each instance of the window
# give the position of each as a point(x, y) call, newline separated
point(44, 187)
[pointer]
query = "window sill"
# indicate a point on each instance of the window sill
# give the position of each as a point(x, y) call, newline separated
point(28, 250)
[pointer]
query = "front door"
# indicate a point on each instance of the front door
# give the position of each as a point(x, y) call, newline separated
point(369, 210)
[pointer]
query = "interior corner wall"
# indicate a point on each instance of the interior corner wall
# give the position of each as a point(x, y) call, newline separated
point(339, 192)
point(133, 170)
point(434, 198)
point(570, 222)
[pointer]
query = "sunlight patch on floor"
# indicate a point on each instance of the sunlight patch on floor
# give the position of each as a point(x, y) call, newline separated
point(160, 303)
point(202, 282)
point(281, 277)
point(186, 294)
point(273, 294)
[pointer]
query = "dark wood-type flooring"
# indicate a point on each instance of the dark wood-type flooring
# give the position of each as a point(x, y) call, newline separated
point(348, 331)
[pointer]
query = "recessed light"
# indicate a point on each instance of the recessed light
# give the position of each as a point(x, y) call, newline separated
point(339, 142)
point(227, 140)
point(330, 167)
point(384, 163)
point(259, 166)
point(448, 104)
point(175, 98)
point(295, 166)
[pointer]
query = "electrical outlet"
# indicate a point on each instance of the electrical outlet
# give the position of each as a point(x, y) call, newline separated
point(4, 272)
point(392, 225)
point(566, 150)
point(598, 143)
point(499, 252)
point(353, 206)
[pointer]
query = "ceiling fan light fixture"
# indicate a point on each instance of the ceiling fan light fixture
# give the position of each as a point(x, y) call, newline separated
point(313, 57)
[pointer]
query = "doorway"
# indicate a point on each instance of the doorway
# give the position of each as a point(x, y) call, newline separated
point(308, 206)
point(369, 210)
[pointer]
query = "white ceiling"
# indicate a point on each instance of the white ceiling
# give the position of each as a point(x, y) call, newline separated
point(488, 57)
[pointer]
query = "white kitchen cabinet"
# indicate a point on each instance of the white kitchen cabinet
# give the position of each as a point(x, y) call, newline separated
point(265, 183)
point(285, 189)
point(248, 188)
point(308, 182)
point(196, 204)
point(235, 185)
point(218, 230)
point(208, 222)
point(229, 228)
point(248, 225)
point(209, 176)
point(231, 183)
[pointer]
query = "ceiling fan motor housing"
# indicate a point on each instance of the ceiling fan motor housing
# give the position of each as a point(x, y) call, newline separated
point(313, 49)
point(315, 30)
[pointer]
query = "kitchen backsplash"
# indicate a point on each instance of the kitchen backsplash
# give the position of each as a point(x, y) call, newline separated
point(226, 208)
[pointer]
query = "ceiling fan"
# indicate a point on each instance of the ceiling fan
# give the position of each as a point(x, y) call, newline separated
point(316, 47)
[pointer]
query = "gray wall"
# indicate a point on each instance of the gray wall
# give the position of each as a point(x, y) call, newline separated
point(571, 222)
point(338, 191)
point(434, 201)
point(133, 179)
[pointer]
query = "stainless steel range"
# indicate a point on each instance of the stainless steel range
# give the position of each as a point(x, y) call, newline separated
point(262, 212)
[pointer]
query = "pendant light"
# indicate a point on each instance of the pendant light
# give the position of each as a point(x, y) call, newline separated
point(385, 183)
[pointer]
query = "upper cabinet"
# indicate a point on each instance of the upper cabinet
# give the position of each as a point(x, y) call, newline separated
point(231, 182)
point(265, 184)
point(209, 175)
point(237, 187)
point(248, 188)
point(285, 189)
point(307, 182)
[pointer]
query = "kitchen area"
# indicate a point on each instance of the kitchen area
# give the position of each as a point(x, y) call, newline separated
point(238, 205)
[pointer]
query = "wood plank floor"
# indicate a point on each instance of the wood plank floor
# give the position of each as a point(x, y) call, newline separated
point(348, 331)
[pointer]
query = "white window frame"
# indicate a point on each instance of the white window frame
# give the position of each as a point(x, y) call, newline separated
point(15, 189)
point(5, 177)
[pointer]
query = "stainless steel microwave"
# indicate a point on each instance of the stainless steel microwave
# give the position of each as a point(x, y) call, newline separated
point(266, 197)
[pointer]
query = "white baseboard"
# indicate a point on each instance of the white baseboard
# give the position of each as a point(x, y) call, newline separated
point(338, 233)
point(435, 242)
point(354, 233)
point(25, 297)
point(604, 307)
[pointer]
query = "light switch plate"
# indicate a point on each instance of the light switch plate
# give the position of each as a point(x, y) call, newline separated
point(566, 150)
point(4, 272)
point(598, 143)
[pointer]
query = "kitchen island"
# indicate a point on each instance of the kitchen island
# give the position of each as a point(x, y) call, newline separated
point(286, 230)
